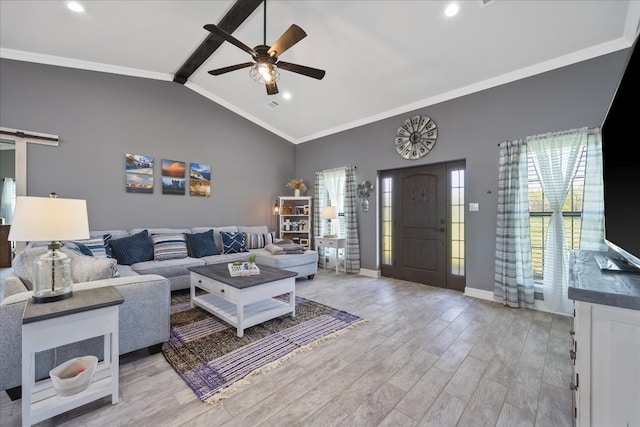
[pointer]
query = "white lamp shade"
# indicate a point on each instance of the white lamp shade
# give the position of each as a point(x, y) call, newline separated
point(49, 219)
point(329, 212)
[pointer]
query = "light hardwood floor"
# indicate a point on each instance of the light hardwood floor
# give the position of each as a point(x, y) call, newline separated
point(426, 357)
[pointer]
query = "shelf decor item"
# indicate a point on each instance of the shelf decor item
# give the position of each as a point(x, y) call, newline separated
point(298, 186)
point(50, 219)
point(241, 269)
point(74, 375)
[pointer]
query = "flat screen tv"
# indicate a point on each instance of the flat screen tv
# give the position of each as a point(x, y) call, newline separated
point(621, 169)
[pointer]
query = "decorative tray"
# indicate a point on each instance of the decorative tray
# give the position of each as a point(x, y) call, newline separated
point(243, 269)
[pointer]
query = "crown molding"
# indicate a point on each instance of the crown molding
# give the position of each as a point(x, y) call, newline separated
point(60, 61)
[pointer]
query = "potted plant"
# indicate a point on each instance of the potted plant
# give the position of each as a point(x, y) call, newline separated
point(252, 261)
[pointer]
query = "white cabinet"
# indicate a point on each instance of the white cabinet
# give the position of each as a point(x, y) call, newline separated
point(294, 219)
point(606, 345)
point(607, 365)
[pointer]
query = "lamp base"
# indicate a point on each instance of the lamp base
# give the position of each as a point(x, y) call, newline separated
point(52, 297)
point(54, 279)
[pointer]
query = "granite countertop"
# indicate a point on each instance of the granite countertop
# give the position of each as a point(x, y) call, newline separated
point(587, 283)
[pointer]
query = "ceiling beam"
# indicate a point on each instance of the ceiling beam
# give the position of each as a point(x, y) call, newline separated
point(240, 11)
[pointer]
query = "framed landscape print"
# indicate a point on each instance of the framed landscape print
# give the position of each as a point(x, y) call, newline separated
point(200, 180)
point(173, 177)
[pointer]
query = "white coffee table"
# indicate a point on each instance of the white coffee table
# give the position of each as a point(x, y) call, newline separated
point(243, 301)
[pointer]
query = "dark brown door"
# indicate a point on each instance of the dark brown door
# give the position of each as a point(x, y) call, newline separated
point(419, 236)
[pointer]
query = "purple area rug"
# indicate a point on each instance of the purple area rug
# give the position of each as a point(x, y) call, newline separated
point(214, 362)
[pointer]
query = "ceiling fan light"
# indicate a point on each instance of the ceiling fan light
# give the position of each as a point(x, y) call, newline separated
point(264, 73)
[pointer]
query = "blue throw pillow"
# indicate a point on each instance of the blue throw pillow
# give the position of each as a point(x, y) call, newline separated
point(132, 249)
point(232, 242)
point(201, 244)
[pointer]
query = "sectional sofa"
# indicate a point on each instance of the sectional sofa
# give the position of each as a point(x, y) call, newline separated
point(146, 285)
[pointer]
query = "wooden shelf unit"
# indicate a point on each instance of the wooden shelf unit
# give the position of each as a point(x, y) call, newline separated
point(297, 210)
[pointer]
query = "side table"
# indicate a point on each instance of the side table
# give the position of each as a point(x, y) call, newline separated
point(89, 313)
point(336, 243)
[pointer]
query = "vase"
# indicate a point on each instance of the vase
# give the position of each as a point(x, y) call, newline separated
point(296, 192)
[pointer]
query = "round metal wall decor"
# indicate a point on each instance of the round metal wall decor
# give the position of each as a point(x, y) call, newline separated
point(416, 137)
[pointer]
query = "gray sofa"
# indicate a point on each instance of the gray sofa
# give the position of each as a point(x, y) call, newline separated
point(146, 288)
point(177, 270)
point(143, 322)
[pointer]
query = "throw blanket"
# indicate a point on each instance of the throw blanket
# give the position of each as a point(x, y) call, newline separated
point(285, 247)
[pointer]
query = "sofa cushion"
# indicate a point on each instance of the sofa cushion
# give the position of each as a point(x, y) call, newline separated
point(201, 244)
point(259, 240)
point(24, 265)
point(83, 268)
point(264, 257)
point(225, 258)
point(133, 249)
point(168, 268)
point(115, 234)
point(88, 269)
point(233, 242)
point(169, 246)
point(161, 230)
point(255, 229)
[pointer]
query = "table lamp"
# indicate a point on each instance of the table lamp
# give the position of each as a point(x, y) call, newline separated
point(50, 219)
point(329, 213)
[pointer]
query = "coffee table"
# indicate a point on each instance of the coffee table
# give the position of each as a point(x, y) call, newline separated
point(243, 301)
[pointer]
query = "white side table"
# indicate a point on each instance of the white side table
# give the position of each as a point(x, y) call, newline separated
point(87, 314)
point(336, 243)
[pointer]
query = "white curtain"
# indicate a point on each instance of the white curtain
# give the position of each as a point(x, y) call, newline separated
point(556, 158)
point(592, 229)
point(7, 203)
point(334, 181)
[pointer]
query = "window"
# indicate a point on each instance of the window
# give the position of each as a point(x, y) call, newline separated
point(540, 214)
point(386, 190)
point(457, 222)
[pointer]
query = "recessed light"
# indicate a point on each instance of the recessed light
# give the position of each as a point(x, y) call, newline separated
point(286, 95)
point(75, 6)
point(452, 9)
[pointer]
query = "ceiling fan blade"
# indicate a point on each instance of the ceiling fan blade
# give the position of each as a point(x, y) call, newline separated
point(219, 71)
point(272, 88)
point(290, 37)
point(228, 37)
point(301, 69)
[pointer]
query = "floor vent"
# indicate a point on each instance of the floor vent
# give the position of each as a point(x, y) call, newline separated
point(273, 104)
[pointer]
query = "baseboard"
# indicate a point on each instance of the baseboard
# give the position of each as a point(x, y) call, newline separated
point(369, 273)
point(478, 293)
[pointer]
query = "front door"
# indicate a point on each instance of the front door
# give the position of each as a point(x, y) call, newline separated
point(418, 229)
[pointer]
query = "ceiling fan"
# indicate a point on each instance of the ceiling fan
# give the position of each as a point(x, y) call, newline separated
point(265, 67)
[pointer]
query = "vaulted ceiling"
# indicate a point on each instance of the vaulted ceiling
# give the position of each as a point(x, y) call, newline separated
point(381, 58)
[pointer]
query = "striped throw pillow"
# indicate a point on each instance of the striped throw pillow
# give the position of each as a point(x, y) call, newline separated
point(169, 246)
point(257, 241)
point(97, 246)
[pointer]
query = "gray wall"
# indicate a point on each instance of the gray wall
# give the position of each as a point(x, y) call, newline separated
point(470, 128)
point(100, 117)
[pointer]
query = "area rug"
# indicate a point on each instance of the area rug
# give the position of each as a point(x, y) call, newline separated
point(214, 362)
